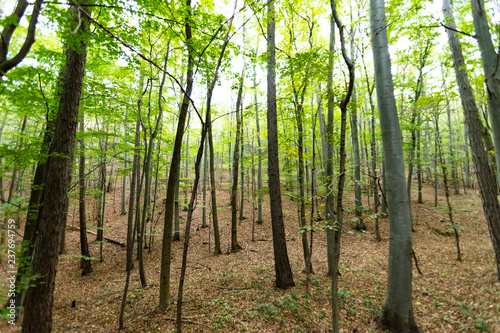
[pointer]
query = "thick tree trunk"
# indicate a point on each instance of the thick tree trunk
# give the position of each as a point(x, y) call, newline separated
point(34, 207)
point(397, 313)
point(487, 186)
point(40, 298)
point(491, 69)
point(284, 277)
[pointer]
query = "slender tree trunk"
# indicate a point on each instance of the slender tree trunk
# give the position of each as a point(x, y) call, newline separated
point(397, 313)
point(466, 149)
point(133, 182)
point(186, 173)
point(236, 157)
point(374, 174)
point(284, 277)
point(357, 168)
point(302, 192)
point(452, 155)
point(85, 262)
point(40, 298)
point(125, 175)
point(242, 188)
point(259, 157)
point(205, 161)
point(213, 190)
point(4, 121)
point(419, 168)
point(487, 186)
point(329, 206)
point(205, 127)
point(13, 183)
point(341, 180)
point(446, 188)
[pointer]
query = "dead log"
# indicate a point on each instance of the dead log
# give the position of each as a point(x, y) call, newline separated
point(111, 240)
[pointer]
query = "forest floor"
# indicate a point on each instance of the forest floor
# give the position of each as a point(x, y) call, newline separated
point(234, 292)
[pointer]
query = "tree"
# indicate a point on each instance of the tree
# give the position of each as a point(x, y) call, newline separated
point(397, 313)
point(491, 69)
point(340, 185)
point(175, 170)
point(236, 158)
point(284, 277)
point(40, 298)
point(85, 262)
point(14, 19)
point(487, 185)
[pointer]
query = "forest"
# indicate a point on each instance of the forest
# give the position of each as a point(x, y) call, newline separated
point(250, 166)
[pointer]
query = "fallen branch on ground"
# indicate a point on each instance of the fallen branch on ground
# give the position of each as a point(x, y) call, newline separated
point(111, 240)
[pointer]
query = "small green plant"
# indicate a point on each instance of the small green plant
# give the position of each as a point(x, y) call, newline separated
point(482, 327)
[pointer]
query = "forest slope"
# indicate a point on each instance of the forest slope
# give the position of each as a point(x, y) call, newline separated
point(235, 291)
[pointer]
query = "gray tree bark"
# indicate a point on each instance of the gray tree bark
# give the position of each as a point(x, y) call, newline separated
point(491, 69)
point(397, 313)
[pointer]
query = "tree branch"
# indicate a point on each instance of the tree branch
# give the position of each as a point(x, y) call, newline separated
point(6, 65)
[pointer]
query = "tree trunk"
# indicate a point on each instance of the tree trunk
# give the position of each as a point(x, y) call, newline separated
point(236, 157)
point(491, 68)
point(34, 207)
point(259, 157)
point(446, 187)
point(487, 186)
point(125, 175)
point(341, 178)
point(397, 313)
point(174, 173)
point(357, 168)
point(284, 277)
point(85, 262)
point(213, 190)
point(242, 188)
point(40, 298)
point(452, 155)
point(329, 206)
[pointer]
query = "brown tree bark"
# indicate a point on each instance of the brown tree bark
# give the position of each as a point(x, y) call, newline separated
point(487, 184)
point(284, 277)
point(40, 297)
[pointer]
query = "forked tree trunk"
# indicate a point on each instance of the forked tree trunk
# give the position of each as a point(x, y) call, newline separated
point(341, 178)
